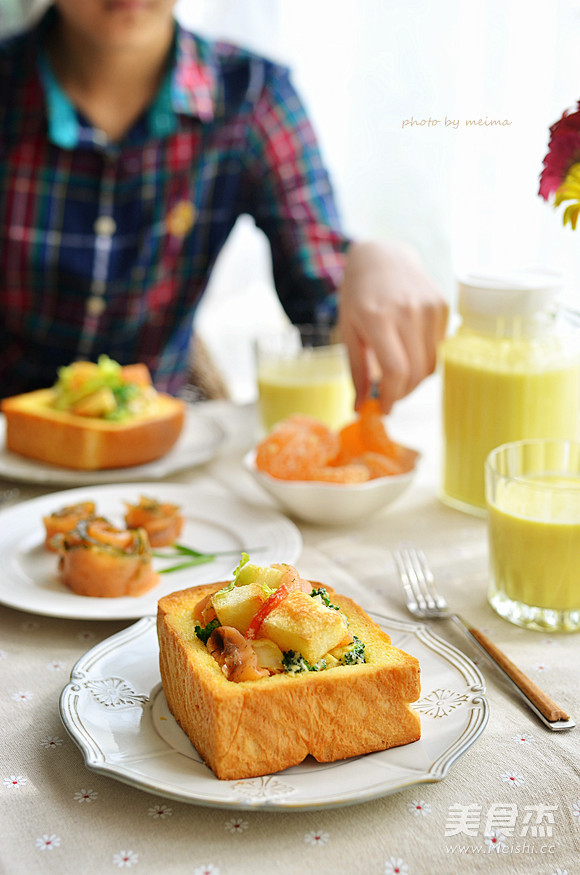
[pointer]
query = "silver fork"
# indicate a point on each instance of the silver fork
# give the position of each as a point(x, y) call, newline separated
point(424, 601)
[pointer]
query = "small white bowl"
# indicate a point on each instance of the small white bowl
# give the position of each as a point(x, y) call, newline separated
point(331, 503)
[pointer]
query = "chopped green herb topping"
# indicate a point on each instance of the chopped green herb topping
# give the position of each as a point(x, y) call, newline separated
point(294, 663)
point(124, 395)
point(243, 561)
point(355, 653)
point(203, 632)
point(322, 593)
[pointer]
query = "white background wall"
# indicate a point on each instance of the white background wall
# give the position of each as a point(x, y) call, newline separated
point(465, 196)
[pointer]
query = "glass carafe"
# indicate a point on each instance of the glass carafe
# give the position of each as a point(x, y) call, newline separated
point(510, 372)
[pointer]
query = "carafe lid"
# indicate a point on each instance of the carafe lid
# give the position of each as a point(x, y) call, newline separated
point(510, 293)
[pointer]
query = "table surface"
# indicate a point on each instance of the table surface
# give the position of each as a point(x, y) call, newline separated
point(511, 803)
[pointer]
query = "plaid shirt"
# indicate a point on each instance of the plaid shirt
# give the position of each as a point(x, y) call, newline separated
point(107, 247)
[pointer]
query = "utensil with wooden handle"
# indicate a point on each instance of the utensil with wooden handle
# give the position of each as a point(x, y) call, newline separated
point(424, 601)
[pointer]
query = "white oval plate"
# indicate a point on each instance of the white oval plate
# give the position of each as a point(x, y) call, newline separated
point(115, 710)
point(199, 441)
point(213, 522)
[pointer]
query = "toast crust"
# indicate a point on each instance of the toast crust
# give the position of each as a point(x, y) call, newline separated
point(248, 729)
point(36, 430)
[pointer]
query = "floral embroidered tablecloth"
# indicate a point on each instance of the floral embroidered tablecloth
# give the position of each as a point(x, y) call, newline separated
point(510, 804)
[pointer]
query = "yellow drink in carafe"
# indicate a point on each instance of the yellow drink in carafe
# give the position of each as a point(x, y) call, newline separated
point(497, 390)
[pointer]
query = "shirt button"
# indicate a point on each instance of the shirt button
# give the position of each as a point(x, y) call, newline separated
point(105, 226)
point(95, 306)
point(100, 137)
point(98, 287)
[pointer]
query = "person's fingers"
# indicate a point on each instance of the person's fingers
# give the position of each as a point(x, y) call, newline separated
point(434, 328)
point(398, 355)
point(393, 361)
point(358, 359)
point(384, 355)
point(392, 319)
point(420, 329)
point(397, 340)
point(441, 319)
point(412, 329)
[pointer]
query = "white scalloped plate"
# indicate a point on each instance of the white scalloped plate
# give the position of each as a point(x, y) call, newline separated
point(213, 522)
point(115, 710)
point(199, 441)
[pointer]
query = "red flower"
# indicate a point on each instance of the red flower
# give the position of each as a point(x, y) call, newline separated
point(563, 152)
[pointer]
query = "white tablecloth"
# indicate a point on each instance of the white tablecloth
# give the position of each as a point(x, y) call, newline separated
point(512, 801)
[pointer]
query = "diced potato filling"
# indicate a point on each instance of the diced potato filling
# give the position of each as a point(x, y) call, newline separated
point(301, 624)
point(269, 575)
point(237, 606)
point(268, 654)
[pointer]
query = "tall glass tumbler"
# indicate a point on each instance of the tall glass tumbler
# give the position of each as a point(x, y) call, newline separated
point(533, 500)
point(303, 370)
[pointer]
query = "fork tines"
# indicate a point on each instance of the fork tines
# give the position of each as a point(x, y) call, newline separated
point(418, 581)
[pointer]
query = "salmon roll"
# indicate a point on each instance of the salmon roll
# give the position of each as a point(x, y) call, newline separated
point(97, 559)
point(163, 522)
point(65, 520)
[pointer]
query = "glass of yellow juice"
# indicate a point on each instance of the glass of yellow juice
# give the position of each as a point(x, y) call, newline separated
point(533, 501)
point(303, 370)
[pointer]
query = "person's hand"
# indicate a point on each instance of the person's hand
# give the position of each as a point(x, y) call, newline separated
point(391, 318)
